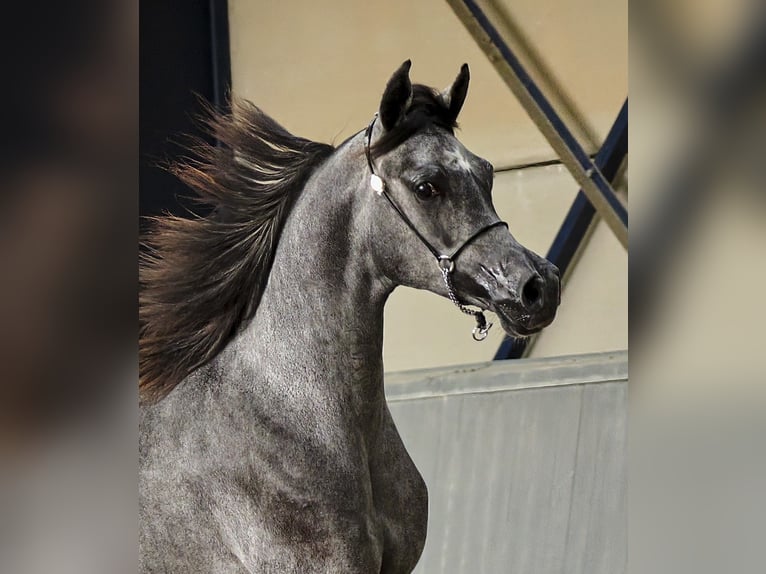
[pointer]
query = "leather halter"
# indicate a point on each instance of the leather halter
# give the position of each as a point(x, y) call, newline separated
point(446, 262)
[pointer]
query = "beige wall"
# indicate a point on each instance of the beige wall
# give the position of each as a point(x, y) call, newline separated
point(320, 68)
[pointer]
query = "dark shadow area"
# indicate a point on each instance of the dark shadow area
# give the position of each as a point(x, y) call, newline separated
point(184, 58)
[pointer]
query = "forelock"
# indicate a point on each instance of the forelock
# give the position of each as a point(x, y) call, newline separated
point(427, 108)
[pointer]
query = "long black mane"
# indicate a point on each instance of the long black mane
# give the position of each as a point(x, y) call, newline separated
point(201, 278)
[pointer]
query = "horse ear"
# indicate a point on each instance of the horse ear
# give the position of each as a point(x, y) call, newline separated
point(454, 96)
point(397, 96)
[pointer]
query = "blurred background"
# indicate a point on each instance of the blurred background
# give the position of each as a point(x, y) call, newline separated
point(68, 282)
point(697, 239)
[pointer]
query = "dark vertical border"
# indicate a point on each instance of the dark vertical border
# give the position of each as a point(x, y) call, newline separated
point(220, 52)
point(185, 57)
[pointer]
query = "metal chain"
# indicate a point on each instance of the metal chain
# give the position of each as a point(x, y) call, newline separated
point(482, 327)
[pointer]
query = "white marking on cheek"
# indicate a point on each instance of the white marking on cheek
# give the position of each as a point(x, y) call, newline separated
point(457, 158)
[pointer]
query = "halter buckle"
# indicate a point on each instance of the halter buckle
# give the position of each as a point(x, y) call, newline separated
point(376, 183)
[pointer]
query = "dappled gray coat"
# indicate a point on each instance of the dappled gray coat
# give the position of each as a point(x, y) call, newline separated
point(266, 444)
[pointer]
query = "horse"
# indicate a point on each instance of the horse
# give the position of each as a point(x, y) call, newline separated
point(265, 440)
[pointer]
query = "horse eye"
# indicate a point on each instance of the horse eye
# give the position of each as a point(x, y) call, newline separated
point(425, 190)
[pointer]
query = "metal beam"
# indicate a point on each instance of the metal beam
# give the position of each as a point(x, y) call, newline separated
point(579, 218)
point(593, 183)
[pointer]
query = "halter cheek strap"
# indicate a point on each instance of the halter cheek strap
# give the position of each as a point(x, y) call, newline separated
point(446, 262)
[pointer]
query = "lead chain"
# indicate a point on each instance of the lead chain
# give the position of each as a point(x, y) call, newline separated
point(482, 328)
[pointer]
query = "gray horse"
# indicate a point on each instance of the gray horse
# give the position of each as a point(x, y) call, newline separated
point(266, 444)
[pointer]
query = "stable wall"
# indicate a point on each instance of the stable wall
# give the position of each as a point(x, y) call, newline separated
point(525, 463)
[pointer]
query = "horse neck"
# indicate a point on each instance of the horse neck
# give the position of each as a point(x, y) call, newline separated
point(321, 314)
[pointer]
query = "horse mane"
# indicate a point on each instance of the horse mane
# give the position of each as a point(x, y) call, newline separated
point(426, 108)
point(200, 279)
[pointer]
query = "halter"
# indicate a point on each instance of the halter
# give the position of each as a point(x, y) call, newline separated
point(446, 263)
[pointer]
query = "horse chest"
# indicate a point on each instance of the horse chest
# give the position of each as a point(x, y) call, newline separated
point(400, 500)
point(379, 506)
point(379, 511)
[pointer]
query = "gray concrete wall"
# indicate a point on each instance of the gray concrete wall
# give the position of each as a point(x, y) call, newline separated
point(525, 463)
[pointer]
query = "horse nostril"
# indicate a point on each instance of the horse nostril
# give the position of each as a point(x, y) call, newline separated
point(532, 293)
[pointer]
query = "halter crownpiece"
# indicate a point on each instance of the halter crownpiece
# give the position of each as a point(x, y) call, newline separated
point(446, 263)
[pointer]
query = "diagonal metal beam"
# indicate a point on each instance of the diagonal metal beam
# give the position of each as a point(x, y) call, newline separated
point(579, 218)
point(593, 183)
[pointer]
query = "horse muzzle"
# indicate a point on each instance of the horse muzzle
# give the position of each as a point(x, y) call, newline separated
point(523, 294)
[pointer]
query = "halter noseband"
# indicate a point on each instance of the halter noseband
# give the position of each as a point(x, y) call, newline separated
point(446, 262)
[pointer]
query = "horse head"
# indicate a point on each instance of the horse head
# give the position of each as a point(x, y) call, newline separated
point(434, 223)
